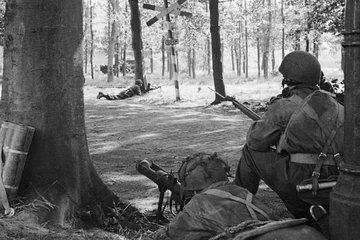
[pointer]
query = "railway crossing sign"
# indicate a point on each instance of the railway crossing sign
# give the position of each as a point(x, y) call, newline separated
point(160, 9)
point(173, 8)
point(170, 41)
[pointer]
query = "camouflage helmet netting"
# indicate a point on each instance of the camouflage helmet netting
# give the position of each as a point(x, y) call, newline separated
point(301, 67)
point(201, 170)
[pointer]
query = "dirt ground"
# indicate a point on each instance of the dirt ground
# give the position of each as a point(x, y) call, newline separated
point(125, 131)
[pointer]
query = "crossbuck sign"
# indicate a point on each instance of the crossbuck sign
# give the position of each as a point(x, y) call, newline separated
point(164, 12)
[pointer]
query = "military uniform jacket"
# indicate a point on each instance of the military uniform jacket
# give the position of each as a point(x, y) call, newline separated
point(267, 131)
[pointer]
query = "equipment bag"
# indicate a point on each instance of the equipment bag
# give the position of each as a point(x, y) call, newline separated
point(312, 124)
point(213, 210)
point(315, 135)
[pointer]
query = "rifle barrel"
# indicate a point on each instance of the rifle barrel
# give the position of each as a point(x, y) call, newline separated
point(247, 111)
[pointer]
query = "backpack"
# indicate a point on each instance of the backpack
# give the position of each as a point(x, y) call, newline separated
point(313, 123)
point(315, 135)
point(213, 210)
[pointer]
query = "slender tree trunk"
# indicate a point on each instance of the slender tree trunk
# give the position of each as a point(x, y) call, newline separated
point(92, 47)
point(116, 65)
point(238, 71)
point(308, 26)
point(267, 43)
point(258, 56)
point(208, 55)
point(273, 59)
point(282, 30)
point(124, 56)
point(137, 43)
point(246, 44)
point(189, 61)
point(45, 65)
point(232, 56)
point(316, 45)
point(216, 50)
point(297, 40)
point(112, 40)
point(193, 64)
point(163, 57)
point(239, 48)
point(86, 34)
point(151, 60)
point(208, 44)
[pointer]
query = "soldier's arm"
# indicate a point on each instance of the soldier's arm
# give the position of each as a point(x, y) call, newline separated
point(265, 133)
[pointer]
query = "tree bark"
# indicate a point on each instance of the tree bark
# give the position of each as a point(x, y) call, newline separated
point(151, 61)
point(258, 56)
point(163, 57)
point(45, 65)
point(232, 56)
point(246, 44)
point(116, 55)
point(267, 43)
point(193, 64)
point(92, 46)
point(112, 39)
point(216, 50)
point(282, 30)
point(86, 33)
point(124, 56)
point(189, 61)
point(137, 43)
point(208, 55)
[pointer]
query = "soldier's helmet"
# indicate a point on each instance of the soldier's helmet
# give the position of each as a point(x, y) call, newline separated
point(138, 82)
point(199, 171)
point(301, 67)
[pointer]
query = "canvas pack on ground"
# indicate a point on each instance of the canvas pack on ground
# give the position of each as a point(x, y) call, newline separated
point(215, 209)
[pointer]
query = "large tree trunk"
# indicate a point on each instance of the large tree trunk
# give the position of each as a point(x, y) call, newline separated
point(43, 88)
point(216, 51)
point(137, 43)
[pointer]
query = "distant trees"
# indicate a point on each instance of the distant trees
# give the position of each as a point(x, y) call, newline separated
point(264, 26)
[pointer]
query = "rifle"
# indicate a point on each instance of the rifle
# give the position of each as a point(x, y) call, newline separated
point(165, 181)
point(251, 114)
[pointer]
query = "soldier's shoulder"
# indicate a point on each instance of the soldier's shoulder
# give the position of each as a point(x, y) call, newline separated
point(275, 98)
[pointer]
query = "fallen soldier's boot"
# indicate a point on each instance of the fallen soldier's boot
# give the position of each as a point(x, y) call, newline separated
point(100, 95)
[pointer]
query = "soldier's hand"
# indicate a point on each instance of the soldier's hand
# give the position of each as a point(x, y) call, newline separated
point(228, 98)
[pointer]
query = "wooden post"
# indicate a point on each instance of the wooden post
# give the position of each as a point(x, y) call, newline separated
point(345, 198)
point(174, 66)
